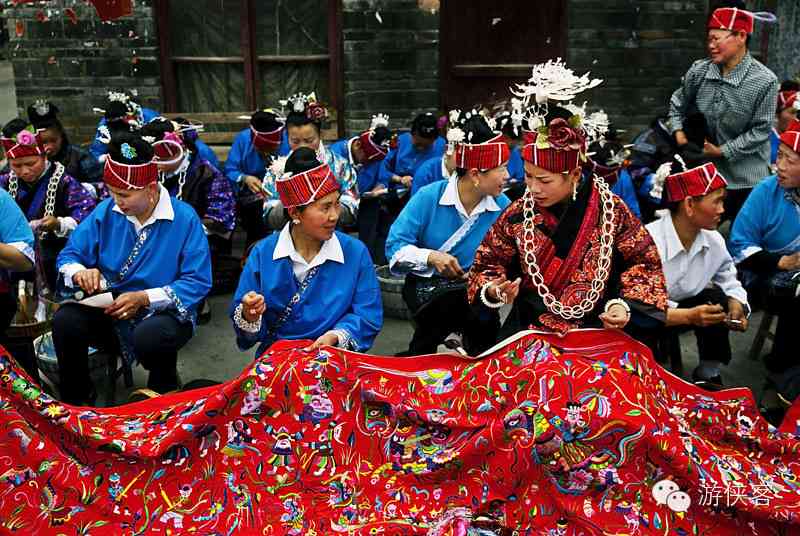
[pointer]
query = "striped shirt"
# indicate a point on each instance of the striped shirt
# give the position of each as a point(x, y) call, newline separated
point(739, 109)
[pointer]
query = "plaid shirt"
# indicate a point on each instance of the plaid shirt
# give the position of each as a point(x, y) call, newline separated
point(739, 109)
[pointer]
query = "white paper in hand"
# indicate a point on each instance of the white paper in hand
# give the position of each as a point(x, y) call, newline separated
point(98, 300)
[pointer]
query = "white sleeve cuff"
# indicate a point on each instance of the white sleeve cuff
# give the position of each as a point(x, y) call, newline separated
point(66, 226)
point(25, 249)
point(345, 341)
point(672, 304)
point(69, 270)
point(158, 299)
point(410, 258)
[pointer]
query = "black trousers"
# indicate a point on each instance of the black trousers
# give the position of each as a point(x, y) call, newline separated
point(370, 230)
point(156, 341)
point(713, 343)
point(451, 313)
point(251, 214)
point(734, 201)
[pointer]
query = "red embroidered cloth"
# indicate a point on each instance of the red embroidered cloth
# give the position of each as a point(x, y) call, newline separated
point(579, 435)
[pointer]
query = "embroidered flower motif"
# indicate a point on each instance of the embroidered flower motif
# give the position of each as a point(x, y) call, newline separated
point(579, 480)
point(26, 137)
point(128, 151)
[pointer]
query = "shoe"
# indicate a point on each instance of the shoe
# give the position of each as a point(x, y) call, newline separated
point(204, 317)
point(709, 384)
point(455, 341)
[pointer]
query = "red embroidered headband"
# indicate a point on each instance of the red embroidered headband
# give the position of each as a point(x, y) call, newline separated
point(559, 147)
point(304, 188)
point(24, 143)
point(129, 176)
point(694, 182)
point(266, 141)
point(735, 19)
point(786, 99)
point(488, 155)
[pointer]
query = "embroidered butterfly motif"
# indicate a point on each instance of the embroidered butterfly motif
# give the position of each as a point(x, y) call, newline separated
point(128, 151)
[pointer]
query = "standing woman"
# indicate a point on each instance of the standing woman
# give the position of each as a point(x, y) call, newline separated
point(433, 240)
point(308, 281)
point(53, 202)
point(569, 253)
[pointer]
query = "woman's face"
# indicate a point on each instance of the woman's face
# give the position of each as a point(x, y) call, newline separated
point(52, 140)
point(788, 166)
point(134, 203)
point(549, 188)
point(304, 136)
point(27, 168)
point(724, 45)
point(491, 181)
point(785, 117)
point(318, 220)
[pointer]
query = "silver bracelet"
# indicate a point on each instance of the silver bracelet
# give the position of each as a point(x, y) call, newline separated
point(243, 324)
point(617, 301)
point(485, 298)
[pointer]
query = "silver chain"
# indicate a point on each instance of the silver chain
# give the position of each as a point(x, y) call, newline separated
point(181, 183)
point(571, 312)
point(52, 188)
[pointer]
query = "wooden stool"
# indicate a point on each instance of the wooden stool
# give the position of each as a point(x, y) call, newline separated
point(764, 332)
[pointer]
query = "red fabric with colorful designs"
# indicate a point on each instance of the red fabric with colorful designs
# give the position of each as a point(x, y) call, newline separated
point(579, 435)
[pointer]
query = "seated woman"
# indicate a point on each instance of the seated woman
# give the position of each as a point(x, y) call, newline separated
point(765, 244)
point(151, 252)
point(304, 128)
point(120, 112)
point(704, 292)
point(309, 281)
point(365, 153)
point(785, 113)
point(252, 151)
point(79, 163)
point(189, 177)
point(16, 255)
point(569, 253)
point(433, 241)
point(53, 202)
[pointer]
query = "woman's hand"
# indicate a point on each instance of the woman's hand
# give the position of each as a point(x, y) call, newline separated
point(616, 317)
point(328, 339)
point(254, 185)
point(502, 290)
point(445, 264)
point(128, 304)
point(789, 263)
point(253, 306)
point(88, 280)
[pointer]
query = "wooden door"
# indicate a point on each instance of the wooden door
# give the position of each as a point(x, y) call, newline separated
point(485, 47)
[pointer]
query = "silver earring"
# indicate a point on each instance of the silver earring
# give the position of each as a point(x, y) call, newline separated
point(575, 190)
point(296, 222)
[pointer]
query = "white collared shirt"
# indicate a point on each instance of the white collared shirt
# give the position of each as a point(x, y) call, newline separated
point(415, 259)
point(163, 211)
point(331, 250)
point(690, 272)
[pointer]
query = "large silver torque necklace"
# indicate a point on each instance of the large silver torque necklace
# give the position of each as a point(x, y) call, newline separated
point(52, 188)
point(571, 312)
